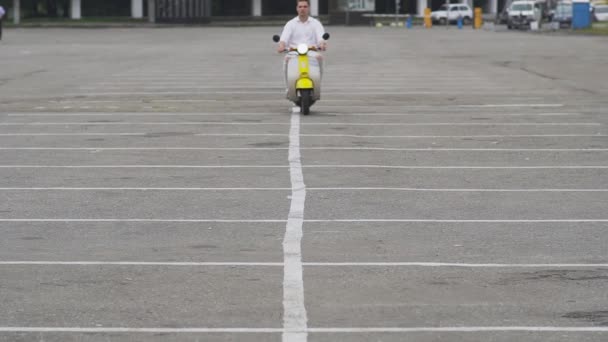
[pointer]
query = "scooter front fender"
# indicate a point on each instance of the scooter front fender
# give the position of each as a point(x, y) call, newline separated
point(304, 83)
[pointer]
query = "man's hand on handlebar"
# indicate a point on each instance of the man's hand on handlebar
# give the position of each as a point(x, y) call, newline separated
point(281, 47)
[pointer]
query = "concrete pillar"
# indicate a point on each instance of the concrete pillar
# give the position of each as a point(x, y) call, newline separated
point(152, 11)
point(421, 5)
point(75, 12)
point(314, 8)
point(493, 6)
point(256, 8)
point(16, 11)
point(137, 9)
point(208, 7)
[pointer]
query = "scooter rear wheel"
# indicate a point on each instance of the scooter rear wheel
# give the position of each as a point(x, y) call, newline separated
point(305, 101)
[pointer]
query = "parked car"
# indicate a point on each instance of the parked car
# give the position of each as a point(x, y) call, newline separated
point(523, 13)
point(451, 13)
point(600, 13)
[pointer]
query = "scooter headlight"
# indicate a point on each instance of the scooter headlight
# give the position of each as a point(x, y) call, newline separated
point(302, 49)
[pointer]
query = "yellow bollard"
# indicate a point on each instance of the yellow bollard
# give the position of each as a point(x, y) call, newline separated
point(428, 23)
point(478, 20)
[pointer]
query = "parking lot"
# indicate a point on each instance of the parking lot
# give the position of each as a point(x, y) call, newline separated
point(155, 185)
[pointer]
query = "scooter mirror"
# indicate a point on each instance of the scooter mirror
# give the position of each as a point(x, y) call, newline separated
point(326, 36)
point(276, 38)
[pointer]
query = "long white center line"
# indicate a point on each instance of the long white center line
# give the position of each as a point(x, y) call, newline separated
point(294, 312)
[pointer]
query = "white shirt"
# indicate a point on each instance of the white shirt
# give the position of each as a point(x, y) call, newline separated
point(296, 32)
point(2, 12)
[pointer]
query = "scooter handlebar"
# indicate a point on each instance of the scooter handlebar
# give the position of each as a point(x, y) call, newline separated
point(310, 48)
point(276, 37)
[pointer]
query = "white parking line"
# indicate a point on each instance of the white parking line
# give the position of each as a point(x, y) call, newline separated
point(329, 114)
point(215, 123)
point(153, 148)
point(455, 106)
point(140, 189)
point(453, 190)
point(138, 263)
point(241, 101)
point(549, 167)
point(456, 136)
point(52, 114)
point(294, 310)
point(325, 101)
point(457, 221)
point(241, 92)
point(445, 264)
point(292, 322)
point(287, 189)
point(137, 330)
point(456, 167)
point(511, 105)
point(460, 329)
point(143, 166)
point(306, 221)
point(457, 124)
point(143, 134)
point(320, 148)
point(68, 134)
point(324, 135)
point(178, 85)
point(143, 220)
point(124, 123)
point(434, 149)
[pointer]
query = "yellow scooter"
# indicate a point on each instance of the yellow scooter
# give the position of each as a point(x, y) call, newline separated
point(303, 75)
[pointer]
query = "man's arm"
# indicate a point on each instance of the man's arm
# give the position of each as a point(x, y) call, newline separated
point(320, 31)
point(285, 35)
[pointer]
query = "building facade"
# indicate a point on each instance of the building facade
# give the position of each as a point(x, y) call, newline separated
point(198, 10)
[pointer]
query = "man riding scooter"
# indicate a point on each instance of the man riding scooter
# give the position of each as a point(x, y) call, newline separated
point(301, 38)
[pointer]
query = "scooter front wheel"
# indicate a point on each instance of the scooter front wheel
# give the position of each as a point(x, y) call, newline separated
point(305, 101)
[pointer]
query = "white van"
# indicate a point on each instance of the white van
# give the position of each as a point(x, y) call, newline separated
point(522, 13)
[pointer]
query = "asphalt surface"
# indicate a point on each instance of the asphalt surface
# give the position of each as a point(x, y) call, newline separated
point(456, 187)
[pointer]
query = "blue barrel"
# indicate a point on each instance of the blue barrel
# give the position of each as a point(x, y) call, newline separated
point(581, 15)
point(408, 22)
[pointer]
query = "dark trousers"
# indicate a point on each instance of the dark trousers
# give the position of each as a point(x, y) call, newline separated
point(0, 28)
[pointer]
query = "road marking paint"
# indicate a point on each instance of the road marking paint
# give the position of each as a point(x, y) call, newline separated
point(294, 310)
